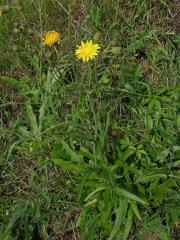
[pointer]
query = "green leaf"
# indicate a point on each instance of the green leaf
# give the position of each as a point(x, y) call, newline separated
point(94, 192)
point(174, 164)
point(93, 201)
point(68, 165)
point(156, 226)
point(151, 177)
point(149, 122)
point(16, 216)
point(176, 148)
point(128, 224)
point(175, 215)
point(120, 216)
point(5, 236)
point(72, 154)
point(127, 154)
point(18, 84)
point(126, 194)
point(32, 120)
point(135, 209)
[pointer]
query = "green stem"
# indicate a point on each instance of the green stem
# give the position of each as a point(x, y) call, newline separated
point(89, 73)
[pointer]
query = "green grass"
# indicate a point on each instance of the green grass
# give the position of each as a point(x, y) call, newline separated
point(89, 151)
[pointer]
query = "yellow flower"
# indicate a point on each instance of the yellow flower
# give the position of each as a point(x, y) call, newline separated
point(87, 51)
point(51, 38)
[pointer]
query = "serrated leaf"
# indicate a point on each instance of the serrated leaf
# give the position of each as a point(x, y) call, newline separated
point(18, 84)
point(156, 226)
point(120, 216)
point(68, 165)
point(126, 194)
point(32, 120)
point(128, 224)
point(72, 154)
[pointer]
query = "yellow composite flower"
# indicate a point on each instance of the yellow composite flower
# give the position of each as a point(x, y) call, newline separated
point(87, 50)
point(51, 38)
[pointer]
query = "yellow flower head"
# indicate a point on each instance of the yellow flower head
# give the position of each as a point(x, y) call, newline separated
point(87, 51)
point(51, 38)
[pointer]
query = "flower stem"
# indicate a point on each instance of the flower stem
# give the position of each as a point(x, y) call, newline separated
point(89, 73)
